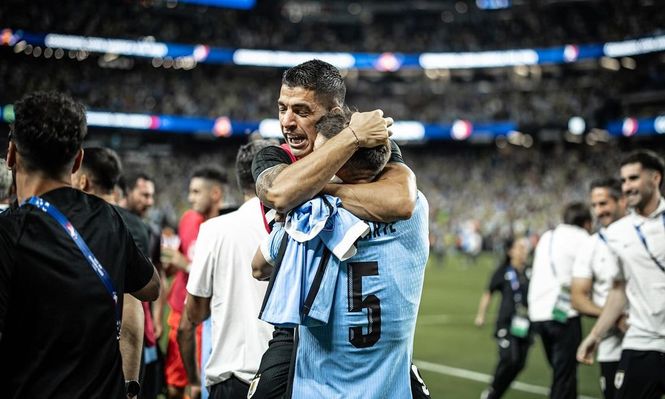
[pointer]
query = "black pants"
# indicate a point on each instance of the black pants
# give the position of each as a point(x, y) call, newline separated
point(512, 359)
point(152, 377)
point(561, 341)
point(607, 372)
point(232, 388)
point(273, 378)
point(640, 374)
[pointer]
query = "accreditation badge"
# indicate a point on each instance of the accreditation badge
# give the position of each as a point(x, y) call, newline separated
point(562, 305)
point(519, 325)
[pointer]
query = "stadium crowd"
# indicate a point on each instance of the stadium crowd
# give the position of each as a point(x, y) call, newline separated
point(548, 98)
point(347, 26)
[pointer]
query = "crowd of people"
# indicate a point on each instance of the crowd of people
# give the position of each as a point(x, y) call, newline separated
point(546, 99)
point(347, 26)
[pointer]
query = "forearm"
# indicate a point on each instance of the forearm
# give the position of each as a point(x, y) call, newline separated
point(302, 180)
point(485, 300)
point(198, 308)
point(391, 197)
point(613, 309)
point(131, 337)
point(581, 297)
point(261, 269)
point(187, 346)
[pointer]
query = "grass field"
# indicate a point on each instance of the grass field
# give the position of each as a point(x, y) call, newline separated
point(445, 335)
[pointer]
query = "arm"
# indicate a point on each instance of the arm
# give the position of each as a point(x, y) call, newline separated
point(261, 269)
point(613, 309)
point(158, 308)
point(131, 337)
point(581, 297)
point(187, 346)
point(150, 291)
point(198, 308)
point(283, 187)
point(485, 300)
point(392, 196)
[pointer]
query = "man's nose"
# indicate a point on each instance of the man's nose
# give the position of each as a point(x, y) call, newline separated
point(288, 120)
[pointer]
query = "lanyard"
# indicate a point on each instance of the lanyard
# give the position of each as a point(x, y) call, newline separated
point(552, 254)
point(97, 267)
point(514, 284)
point(646, 246)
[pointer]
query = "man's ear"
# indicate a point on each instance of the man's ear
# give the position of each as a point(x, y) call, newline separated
point(11, 155)
point(77, 161)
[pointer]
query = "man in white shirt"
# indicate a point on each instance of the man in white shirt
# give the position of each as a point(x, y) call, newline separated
point(221, 285)
point(550, 311)
point(594, 271)
point(638, 243)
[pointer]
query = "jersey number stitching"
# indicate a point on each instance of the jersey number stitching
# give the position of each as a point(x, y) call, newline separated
point(357, 304)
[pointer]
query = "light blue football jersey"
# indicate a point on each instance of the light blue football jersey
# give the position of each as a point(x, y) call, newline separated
point(365, 349)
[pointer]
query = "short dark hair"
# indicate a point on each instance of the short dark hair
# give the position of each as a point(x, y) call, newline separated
point(372, 160)
point(612, 184)
point(648, 159)
point(211, 173)
point(104, 167)
point(244, 160)
point(320, 77)
point(48, 130)
point(577, 214)
point(128, 181)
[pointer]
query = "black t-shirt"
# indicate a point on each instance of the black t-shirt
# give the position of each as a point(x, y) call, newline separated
point(500, 281)
point(56, 317)
point(137, 228)
point(275, 155)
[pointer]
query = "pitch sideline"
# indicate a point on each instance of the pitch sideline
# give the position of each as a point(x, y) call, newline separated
point(480, 377)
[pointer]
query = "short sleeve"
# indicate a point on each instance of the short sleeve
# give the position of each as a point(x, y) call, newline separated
point(496, 282)
point(139, 269)
point(267, 158)
point(582, 268)
point(6, 272)
point(205, 260)
point(270, 245)
point(395, 153)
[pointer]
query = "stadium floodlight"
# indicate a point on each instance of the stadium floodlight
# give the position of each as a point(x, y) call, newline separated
point(659, 124)
point(576, 125)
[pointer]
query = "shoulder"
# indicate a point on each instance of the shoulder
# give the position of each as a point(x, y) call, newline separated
point(268, 157)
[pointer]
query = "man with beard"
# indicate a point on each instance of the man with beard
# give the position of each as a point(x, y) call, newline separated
point(637, 242)
point(593, 274)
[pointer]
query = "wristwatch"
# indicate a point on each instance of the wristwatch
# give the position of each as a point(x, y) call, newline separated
point(132, 388)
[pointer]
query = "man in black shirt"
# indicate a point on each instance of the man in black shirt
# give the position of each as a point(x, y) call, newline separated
point(58, 317)
point(98, 175)
point(308, 92)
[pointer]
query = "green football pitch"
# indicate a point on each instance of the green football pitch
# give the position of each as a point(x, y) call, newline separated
point(455, 357)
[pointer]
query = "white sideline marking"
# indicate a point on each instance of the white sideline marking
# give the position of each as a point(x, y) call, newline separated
point(480, 377)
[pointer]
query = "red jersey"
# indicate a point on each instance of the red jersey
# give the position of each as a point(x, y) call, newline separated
point(188, 230)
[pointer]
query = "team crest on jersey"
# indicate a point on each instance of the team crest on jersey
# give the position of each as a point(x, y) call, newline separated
point(618, 379)
point(253, 385)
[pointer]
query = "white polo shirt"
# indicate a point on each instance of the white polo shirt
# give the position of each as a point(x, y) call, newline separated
point(222, 270)
point(553, 267)
point(596, 262)
point(645, 281)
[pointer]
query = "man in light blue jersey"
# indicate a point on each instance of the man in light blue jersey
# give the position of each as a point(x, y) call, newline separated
point(366, 346)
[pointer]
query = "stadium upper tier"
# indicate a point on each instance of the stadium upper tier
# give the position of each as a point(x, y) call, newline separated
point(370, 26)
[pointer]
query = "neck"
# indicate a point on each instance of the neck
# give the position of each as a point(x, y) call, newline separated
point(248, 196)
point(650, 206)
point(28, 185)
point(518, 265)
point(110, 198)
point(213, 212)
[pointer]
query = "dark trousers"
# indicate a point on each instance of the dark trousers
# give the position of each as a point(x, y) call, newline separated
point(640, 374)
point(232, 388)
point(560, 341)
point(512, 359)
point(607, 372)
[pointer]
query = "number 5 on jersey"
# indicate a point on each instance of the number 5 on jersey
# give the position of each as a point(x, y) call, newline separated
point(356, 272)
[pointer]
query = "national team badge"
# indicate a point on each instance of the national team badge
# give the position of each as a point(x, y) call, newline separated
point(618, 379)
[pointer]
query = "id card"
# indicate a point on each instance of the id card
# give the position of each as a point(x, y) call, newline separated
point(519, 326)
point(562, 306)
